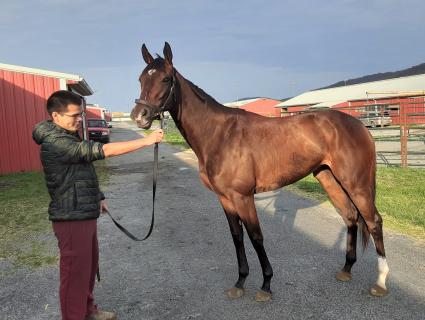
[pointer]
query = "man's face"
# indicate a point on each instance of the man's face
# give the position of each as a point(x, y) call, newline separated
point(70, 119)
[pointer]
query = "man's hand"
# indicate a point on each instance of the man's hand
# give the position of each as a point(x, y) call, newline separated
point(156, 136)
point(103, 206)
point(117, 148)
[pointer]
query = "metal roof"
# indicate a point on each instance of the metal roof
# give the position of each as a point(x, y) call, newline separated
point(76, 82)
point(236, 104)
point(326, 104)
point(362, 91)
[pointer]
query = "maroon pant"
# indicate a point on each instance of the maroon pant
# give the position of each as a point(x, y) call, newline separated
point(79, 257)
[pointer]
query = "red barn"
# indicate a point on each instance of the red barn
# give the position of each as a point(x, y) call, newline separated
point(23, 95)
point(96, 111)
point(262, 106)
point(400, 98)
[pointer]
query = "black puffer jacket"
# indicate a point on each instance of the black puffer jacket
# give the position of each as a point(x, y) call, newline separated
point(70, 176)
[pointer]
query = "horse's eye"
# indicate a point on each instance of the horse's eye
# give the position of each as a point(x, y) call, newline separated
point(166, 79)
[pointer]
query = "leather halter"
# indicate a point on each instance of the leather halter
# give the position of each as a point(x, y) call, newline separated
point(159, 110)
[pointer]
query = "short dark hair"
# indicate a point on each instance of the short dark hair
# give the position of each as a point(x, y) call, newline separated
point(59, 101)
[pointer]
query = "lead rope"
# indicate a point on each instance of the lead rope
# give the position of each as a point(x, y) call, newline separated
point(155, 178)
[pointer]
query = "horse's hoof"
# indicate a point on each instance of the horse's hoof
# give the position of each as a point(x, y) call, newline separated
point(263, 296)
point(235, 293)
point(343, 276)
point(378, 291)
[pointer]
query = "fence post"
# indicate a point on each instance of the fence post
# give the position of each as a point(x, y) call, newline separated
point(404, 134)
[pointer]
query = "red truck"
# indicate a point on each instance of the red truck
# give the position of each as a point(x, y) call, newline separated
point(98, 130)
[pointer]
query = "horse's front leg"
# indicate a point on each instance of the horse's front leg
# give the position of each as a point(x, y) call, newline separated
point(236, 230)
point(245, 207)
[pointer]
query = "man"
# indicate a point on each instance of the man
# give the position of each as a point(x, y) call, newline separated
point(76, 200)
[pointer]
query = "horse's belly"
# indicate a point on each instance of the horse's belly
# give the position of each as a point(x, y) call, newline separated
point(277, 176)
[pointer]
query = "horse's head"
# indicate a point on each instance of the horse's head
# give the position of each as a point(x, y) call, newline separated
point(157, 83)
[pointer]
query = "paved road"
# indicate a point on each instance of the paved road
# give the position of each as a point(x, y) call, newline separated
point(183, 270)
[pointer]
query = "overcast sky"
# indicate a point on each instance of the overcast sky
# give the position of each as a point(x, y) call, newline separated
point(231, 49)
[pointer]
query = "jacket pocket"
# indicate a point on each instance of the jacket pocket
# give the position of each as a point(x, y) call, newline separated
point(87, 195)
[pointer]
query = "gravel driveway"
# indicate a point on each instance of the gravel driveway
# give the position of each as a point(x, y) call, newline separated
point(183, 270)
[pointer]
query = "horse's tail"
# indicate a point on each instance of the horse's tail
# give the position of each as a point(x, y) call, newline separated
point(364, 231)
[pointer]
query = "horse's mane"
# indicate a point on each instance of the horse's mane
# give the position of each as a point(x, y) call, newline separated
point(201, 94)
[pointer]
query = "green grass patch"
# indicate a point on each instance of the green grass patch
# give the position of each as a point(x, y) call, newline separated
point(172, 137)
point(24, 220)
point(176, 139)
point(400, 198)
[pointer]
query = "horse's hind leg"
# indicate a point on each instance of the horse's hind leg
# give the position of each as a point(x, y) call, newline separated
point(236, 230)
point(365, 203)
point(245, 207)
point(349, 213)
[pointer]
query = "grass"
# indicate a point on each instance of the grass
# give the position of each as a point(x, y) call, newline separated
point(172, 135)
point(400, 198)
point(176, 139)
point(25, 232)
point(23, 218)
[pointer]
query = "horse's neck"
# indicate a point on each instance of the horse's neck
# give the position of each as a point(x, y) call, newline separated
point(195, 117)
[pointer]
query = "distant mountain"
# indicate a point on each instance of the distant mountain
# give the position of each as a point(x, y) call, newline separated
point(412, 71)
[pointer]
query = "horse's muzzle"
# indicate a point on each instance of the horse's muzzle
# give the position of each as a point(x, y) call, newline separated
point(144, 113)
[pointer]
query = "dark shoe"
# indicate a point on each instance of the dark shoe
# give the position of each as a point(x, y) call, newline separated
point(102, 315)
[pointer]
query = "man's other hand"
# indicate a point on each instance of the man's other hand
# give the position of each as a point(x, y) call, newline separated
point(103, 206)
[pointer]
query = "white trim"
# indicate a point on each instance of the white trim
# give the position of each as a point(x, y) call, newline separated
point(41, 72)
point(62, 84)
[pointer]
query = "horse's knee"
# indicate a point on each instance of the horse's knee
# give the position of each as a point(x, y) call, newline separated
point(237, 238)
point(256, 238)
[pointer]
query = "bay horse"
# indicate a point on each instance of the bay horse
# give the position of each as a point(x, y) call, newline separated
point(241, 153)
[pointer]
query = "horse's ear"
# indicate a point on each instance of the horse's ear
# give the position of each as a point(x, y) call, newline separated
point(168, 54)
point(146, 55)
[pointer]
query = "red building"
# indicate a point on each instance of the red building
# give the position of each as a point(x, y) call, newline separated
point(96, 111)
point(262, 106)
point(23, 95)
point(400, 98)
